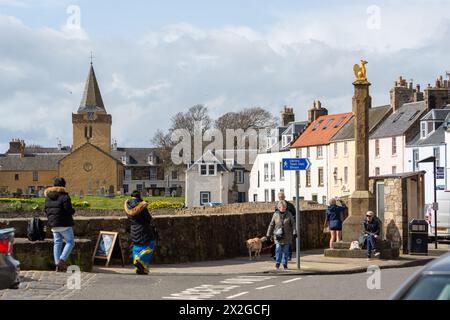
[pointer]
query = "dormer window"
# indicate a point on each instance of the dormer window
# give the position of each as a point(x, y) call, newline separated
point(287, 139)
point(208, 169)
point(151, 159)
point(124, 160)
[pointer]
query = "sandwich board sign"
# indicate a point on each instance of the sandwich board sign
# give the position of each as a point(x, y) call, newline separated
point(108, 247)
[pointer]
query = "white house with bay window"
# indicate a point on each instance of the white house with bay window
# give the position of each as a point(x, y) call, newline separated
point(213, 180)
point(430, 142)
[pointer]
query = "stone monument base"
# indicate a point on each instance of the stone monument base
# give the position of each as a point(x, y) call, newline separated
point(359, 203)
point(342, 250)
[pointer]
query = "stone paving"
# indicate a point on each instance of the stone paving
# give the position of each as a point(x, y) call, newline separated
point(45, 285)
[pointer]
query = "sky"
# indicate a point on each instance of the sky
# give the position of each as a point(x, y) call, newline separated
point(156, 58)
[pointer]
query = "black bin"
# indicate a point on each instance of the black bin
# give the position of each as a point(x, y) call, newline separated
point(418, 237)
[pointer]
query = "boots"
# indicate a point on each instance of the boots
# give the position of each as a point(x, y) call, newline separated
point(61, 266)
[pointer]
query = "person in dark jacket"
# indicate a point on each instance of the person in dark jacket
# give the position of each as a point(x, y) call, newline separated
point(292, 210)
point(59, 212)
point(335, 216)
point(142, 234)
point(372, 228)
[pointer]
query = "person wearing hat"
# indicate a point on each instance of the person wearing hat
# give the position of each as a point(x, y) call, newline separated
point(59, 211)
point(143, 234)
point(372, 228)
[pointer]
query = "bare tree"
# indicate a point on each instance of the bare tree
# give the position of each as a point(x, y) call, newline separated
point(255, 118)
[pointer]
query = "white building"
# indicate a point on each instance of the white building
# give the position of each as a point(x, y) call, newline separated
point(430, 142)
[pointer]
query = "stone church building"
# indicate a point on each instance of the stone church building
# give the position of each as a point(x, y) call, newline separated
point(93, 165)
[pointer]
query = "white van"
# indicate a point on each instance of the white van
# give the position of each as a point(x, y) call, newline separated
point(443, 216)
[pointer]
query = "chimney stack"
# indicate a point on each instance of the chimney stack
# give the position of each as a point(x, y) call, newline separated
point(17, 146)
point(287, 116)
point(401, 93)
point(316, 111)
point(437, 97)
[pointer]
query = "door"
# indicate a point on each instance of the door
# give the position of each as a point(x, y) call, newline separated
point(380, 205)
point(241, 197)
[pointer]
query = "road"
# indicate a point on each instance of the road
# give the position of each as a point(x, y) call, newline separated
point(242, 287)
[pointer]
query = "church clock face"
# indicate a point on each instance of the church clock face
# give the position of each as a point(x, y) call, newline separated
point(88, 167)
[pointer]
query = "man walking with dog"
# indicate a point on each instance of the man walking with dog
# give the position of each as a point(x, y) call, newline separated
point(291, 209)
point(282, 229)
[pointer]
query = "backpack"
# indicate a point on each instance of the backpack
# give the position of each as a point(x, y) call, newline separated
point(35, 230)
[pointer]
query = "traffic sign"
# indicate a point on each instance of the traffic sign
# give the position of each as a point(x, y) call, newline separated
point(440, 173)
point(296, 164)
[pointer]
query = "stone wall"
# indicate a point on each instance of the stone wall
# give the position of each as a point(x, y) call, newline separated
point(190, 238)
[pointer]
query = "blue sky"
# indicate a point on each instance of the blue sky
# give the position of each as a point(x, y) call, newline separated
point(156, 58)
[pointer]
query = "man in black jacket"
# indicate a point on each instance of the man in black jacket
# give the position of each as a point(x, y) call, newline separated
point(59, 211)
point(292, 210)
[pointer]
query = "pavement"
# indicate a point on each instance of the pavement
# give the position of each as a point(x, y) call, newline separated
point(312, 262)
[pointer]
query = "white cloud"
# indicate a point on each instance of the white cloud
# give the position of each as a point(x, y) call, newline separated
point(145, 82)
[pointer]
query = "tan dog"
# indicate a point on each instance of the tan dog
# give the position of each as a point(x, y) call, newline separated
point(255, 245)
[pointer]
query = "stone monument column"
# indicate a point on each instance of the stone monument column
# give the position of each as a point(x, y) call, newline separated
point(362, 199)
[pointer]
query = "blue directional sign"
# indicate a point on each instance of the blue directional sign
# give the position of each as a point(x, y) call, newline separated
point(296, 164)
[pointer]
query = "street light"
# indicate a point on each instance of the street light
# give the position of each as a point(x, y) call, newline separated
point(427, 160)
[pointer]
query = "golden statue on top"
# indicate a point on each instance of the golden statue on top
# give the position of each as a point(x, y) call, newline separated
point(360, 71)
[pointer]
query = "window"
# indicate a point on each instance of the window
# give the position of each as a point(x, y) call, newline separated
point(281, 190)
point(320, 175)
point(317, 125)
point(308, 178)
point(299, 153)
point(423, 130)
point(281, 171)
point(266, 172)
point(308, 152)
point(319, 152)
point(328, 124)
point(315, 198)
point(259, 178)
point(437, 154)
point(377, 171)
point(416, 160)
point(336, 150)
point(124, 160)
point(394, 146)
point(239, 176)
point(126, 188)
point(150, 159)
point(324, 200)
point(127, 174)
point(139, 187)
point(335, 176)
point(35, 176)
point(153, 173)
point(266, 195)
point(272, 195)
point(340, 122)
point(255, 197)
point(207, 169)
point(345, 148)
point(174, 175)
point(394, 170)
point(205, 197)
point(345, 175)
point(398, 116)
point(377, 148)
point(16, 177)
point(272, 171)
point(414, 115)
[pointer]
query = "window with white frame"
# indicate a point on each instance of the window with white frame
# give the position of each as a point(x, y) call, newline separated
point(394, 170)
point(437, 154)
point(239, 176)
point(266, 195)
point(345, 148)
point(153, 173)
point(272, 171)
point(377, 171)
point(423, 129)
point(205, 197)
point(336, 150)
point(394, 146)
point(416, 160)
point(299, 153)
point(377, 148)
point(320, 175)
point(345, 175)
point(208, 169)
point(308, 178)
point(127, 174)
point(308, 152)
point(266, 172)
point(319, 152)
point(281, 171)
point(335, 176)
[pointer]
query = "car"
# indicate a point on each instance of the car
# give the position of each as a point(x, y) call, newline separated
point(443, 217)
point(432, 282)
point(9, 267)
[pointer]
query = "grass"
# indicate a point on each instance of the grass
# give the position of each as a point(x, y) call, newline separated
point(92, 202)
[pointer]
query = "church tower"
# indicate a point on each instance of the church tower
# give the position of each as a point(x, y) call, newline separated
point(92, 124)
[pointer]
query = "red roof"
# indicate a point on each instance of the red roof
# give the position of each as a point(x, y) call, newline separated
point(322, 130)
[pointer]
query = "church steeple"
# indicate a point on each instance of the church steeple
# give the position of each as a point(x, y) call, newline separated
point(92, 99)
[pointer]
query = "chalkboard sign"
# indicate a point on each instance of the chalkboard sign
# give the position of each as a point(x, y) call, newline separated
point(107, 247)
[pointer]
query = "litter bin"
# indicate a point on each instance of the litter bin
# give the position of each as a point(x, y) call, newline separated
point(418, 237)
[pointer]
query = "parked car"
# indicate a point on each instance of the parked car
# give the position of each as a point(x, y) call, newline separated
point(9, 267)
point(443, 217)
point(430, 283)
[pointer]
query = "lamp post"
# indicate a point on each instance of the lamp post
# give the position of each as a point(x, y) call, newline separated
point(428, 160)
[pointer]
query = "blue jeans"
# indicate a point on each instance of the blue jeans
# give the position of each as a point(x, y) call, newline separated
point(282, 253)
point(371, 243)
point(69, 238)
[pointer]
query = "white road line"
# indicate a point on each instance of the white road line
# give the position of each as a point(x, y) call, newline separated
point(292, 280)
point(237, 295)
point(266, 287)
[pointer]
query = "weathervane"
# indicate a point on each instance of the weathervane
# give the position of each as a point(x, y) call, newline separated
point(92, 57)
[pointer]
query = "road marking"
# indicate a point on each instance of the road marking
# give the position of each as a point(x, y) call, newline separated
point(266, 287)
point(201, 292)
point(292, 280)
point(237, 295)
point(246, 280)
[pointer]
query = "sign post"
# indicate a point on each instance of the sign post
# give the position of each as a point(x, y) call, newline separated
point(297, 165)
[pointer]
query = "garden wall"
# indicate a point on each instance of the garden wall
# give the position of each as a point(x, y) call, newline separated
point(190, 238)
